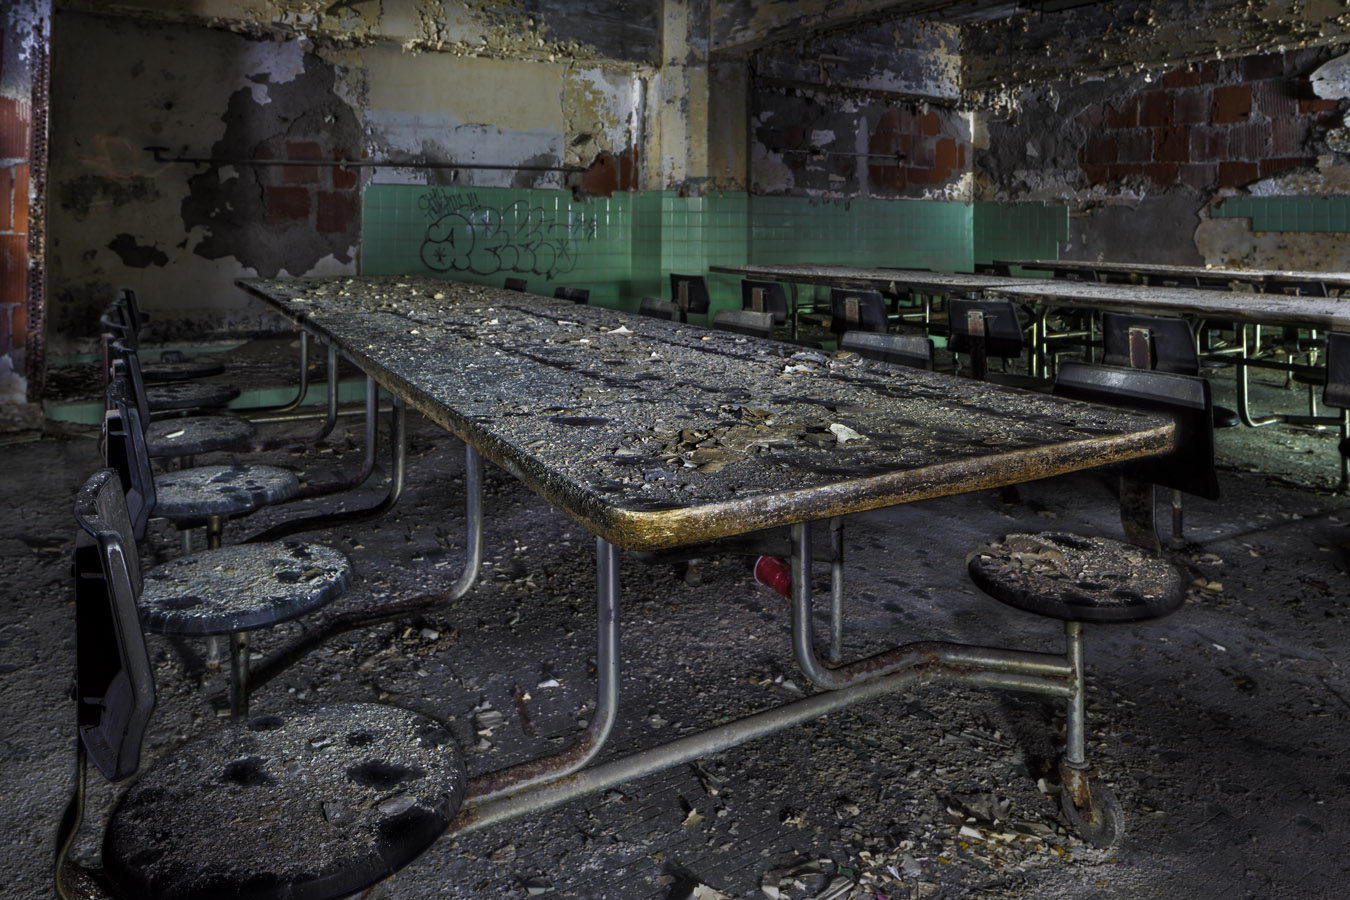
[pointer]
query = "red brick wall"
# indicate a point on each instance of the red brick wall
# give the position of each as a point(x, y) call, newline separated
point(1217, 124)
point(15, 126)
point(925, 157)
point(325, 198)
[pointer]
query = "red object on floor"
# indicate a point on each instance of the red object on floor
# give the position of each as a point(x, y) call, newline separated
point(773, 572)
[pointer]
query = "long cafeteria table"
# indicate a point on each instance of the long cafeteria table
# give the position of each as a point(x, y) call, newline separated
point(1163, 275)
point(652, 434)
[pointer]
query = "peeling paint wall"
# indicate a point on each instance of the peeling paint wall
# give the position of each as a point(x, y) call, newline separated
point(849, 115)
point(1140, 157)
point(180, 233)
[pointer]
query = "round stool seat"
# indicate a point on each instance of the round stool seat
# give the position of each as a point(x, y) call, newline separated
point(318, 801)
point(189, 395)
point(241, 587)
point(1077, 579)
point(180, 369)
point(202, 491)
point(197, 434)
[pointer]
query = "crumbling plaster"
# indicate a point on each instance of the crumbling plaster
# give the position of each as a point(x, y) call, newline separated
point(1030, 149)
point(1136, 35)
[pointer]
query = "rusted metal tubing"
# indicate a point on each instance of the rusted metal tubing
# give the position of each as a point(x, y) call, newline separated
point(491, 786)
point(836, 589)
point(990, 666)
point(479, 813)
point(398, 442)
point(301, 391)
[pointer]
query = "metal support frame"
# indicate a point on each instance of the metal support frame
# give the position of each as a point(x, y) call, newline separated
point(543, 784)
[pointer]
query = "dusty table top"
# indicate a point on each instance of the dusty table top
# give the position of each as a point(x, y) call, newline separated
point(892, 280)
point(1201, 273)
point(654, 434)
point(1266, 309)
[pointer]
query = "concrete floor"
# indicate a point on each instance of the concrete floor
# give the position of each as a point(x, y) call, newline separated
point(1223, 729)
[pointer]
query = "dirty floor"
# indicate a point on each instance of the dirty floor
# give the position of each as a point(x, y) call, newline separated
point(1224, 729)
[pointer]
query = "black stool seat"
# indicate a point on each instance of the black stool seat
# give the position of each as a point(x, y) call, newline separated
point(189, 395)
point(197, 434)
point(1076, 578)
point(180, 369)
point(202, 491)
point(241, 587)
point(319, 801)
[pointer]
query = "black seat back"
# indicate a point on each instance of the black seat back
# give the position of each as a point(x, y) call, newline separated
point(1337, 391)
point(125, 450)
point(1002, 331)
point(901, 349)
point(765, 296)
point(1189, 466)
point(852, 310)
point(114, 685)
point(744, 321)
point(658, 309)
point(1170, 347)
point(689, 292)
point(516, 284)
point(575, 294)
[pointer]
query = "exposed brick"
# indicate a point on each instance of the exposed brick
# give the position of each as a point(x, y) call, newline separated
point(1155, 109)
point(1308, 106)
point(286, 204)
point(1268, 65)
point(343, 179)
point(1250, 141)
point(916, 176)
point(1271, 167)
point(18, 328)
point(6, 198)
point(1287, 136)
point(1237, 174)
point(1185, 76)
point(961, 156)
point(939, 175)
point(1095, 174)
point(5, 317)
point(302, 150)
point(20, 224)
point(1134, 145)
point(1172, 145)
point(1125, 117)
point(1200, 177)
point(946, 153)
point(1209, 72)
point(1191, 106)
point(1209, 143)
point(922, 153)
point(13, 268)
point(16, 117)
point(1161, 173)
point(1123, 171)
point(1232, 104)
point(887, 176)
point(931, 124)
point(1092, 118)
point(1277, 99)
point(889, 121)
point(339, 210)
point(1100, 149)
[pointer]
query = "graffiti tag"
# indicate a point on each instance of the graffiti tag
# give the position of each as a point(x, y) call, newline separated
point(469, 237)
